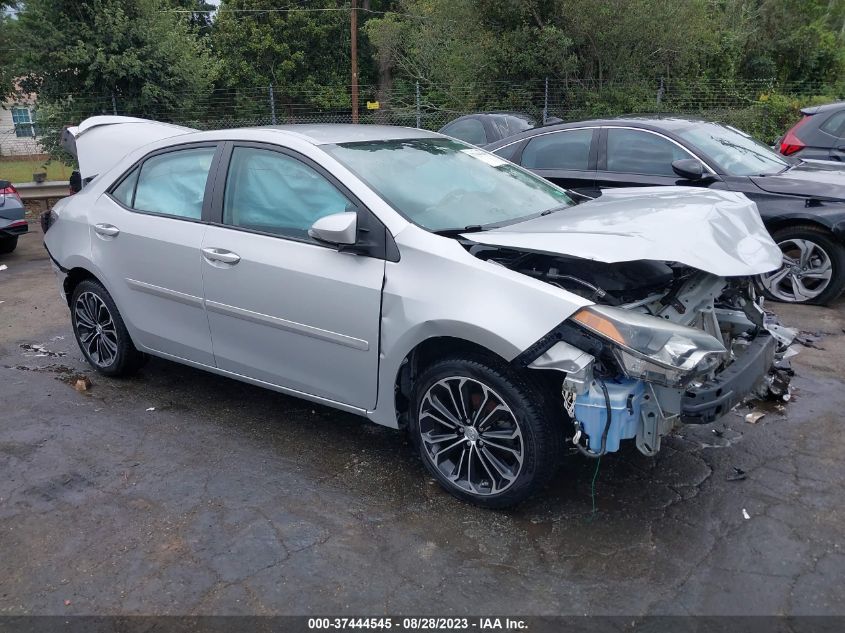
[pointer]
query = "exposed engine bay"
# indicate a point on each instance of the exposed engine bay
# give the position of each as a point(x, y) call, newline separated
point(627, 379)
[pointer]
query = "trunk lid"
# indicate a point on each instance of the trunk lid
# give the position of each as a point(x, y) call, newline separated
point(101, 141)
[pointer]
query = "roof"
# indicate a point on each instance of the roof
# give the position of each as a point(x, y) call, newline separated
point(670, 123)
point(331, 133)
point(823, 108)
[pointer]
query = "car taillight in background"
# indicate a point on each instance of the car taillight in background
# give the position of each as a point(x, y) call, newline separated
point(8, 189)
point(791, 143)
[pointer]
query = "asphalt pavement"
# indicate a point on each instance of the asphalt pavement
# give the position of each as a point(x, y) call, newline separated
point(181, 492)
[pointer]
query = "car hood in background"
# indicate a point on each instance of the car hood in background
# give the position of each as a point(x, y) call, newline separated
point(809, 178)
point(719, 232)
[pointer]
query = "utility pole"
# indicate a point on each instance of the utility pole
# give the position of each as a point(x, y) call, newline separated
point(353, 21)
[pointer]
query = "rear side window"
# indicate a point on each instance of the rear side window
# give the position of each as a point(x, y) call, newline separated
point(467, 130)
point(637, 152)
point(174, 183)
point(569, 149)
point(835, 125)
point(125, 192)
point(275, 193)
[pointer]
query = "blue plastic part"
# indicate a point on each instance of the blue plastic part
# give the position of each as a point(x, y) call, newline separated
point(625, 400)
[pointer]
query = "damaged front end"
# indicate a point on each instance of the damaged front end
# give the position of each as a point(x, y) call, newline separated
point(663, 344)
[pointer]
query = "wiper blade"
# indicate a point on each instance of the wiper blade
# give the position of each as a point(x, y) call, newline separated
point(472, 228)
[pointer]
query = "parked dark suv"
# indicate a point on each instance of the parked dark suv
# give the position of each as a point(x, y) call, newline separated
point(819, 135)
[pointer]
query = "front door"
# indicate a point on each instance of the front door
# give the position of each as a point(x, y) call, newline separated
point(146, 234)
point(283, 308)
point(639, 158)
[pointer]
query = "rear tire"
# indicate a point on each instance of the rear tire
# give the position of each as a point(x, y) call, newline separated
point(484, 432)
point(8, 244)
point(101, 333)
point(813, 271)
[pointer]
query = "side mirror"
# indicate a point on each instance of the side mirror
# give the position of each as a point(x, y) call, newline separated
point(688, 169)
point(340, 229)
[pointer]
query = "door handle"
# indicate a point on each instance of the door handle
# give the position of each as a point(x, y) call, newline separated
point(107, 230)
point(221, 255)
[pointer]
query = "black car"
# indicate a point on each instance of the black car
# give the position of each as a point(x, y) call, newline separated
point(487, 127)
point(801, 202)
point(820, 134)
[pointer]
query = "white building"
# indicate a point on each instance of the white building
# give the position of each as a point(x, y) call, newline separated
point(17, 129)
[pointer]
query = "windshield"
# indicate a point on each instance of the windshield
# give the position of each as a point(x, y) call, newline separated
point(442, 185)
point(737, 153)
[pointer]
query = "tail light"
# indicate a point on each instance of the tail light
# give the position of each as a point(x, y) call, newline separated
point(790, 142)
point(9, 190)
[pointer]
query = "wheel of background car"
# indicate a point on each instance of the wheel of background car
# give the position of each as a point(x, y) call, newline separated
point(101, 333)
point(484, 432)
point(8, 244)
point(813, 268)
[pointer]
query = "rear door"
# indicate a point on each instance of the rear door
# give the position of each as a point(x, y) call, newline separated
point(631, 157)
point(283, 308)
point(565, 157)
point(146, 234)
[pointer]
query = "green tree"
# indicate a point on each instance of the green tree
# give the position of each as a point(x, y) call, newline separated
point(7, 45)
point(136, 57)
point(303, 51)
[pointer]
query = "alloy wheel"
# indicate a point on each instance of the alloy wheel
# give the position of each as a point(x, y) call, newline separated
point(805, 274)
point(96, 329)
point(471, 435)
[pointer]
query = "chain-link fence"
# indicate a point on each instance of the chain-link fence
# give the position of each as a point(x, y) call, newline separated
point(763, 108)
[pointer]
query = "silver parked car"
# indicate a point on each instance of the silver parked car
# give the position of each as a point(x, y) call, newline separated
point(419, 282)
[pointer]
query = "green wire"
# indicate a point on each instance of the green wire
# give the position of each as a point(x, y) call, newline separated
point(593, 490)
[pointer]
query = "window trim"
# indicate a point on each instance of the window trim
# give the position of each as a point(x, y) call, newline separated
point(707, 167)
point(384, 246)
point(591, 154)
point(29, 123)
point(209, 183)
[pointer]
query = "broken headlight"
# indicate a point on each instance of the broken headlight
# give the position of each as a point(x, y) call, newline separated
point(651, 348)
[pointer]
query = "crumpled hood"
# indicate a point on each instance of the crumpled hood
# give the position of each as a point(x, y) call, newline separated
point(719, 232)
point(810, 178)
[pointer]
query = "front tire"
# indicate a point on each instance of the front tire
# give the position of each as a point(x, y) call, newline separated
point(484, 432)
point(100, 331)
point(8, 244)
point(813, 269)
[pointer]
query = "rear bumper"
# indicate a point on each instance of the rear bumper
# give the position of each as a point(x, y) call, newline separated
point(14, 228)
point(713, 399)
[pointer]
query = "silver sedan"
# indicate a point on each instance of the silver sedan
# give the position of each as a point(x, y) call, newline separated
point(417, 281)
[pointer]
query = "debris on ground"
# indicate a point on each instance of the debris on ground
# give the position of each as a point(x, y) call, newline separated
point(36, 350)
point(754, 417)
point(82, 384)
point(3, 267)
point(151, 409)
point(745, 514)
point(810, 339)
point(737, 475)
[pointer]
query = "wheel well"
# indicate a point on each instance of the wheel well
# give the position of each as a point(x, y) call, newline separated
point(74, 277)
point(799, 223)
point(423, 355)
point(431, 350)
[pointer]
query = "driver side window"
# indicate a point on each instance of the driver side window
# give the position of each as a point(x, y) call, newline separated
point(637, 152)
point(275, 193)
